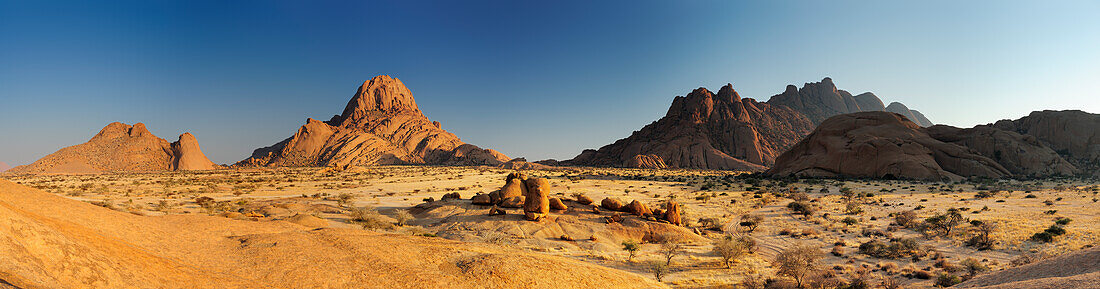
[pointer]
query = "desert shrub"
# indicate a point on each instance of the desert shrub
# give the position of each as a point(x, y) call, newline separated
point(658, 269)
point(671, 246)
point(1063, 221)
point(402, 217)
point(631, 248)
point(947, 280)
point(1048, 235)
point(982, 232)
point(895, 249)
point(802, 208)
point(891, 283)
point(973, 267)
point(345, 199)
point(849, 221)
point(798, 262)
point(749, 222)
point(205, 202)
point(906, 219)
point(853, 208)
point(731, 249)
point(943, 224)
point(369, 218)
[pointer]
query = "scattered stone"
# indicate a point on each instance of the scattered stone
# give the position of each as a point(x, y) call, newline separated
point(481, 200)
point(584, 200)
point(557, 205)
point(611, 204)
point(497, 211)
point(513, 202)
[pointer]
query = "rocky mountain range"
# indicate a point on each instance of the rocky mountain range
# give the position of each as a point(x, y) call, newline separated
point(380, 125)
point(889, 145)
point(122, 147)
point(4, 167)
point(821, 100)
point(708, 131)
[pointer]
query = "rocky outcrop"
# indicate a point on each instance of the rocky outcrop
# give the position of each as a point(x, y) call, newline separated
point(646, 162)
point(881, 145)
point(707, 131)
point(1022, 155)
point(673, 213)
point(380, 125)
point(637, 208)
point(821, 100)
point(611, 204)
point(187, 156)
point(120, 147)
point(1073, 134)
point(888, 145)
point(536, 203)
point(912, 115)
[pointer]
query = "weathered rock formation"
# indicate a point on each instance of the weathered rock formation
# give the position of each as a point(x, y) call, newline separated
point(708, 131)
point(912, 115)
point(881, 145)
point(1073, 134)
point(673, 213)
point(611, 204)
point(380, 125)
point(1022, 155)
point(888, 145)
point(536, 203)
point(121, 147)
point(821, 100)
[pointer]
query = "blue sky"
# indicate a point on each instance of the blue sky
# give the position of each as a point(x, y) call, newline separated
point(540, 79)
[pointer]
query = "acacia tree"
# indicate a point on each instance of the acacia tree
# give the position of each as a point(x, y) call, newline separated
point(798, 262)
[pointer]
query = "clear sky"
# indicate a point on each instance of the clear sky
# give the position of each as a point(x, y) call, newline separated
point(540, 79)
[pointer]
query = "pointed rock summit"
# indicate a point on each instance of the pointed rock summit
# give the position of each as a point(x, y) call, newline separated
point(706, 131)
point(821, 100)
point(381, 124)
point(120, 147)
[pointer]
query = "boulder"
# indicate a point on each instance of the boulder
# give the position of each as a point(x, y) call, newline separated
point(611, 204)
point(672, 213)
point(513, 202)
point(481, 199)
point(536, 203)
point(637, 208)
point(584, 200)
point(557, 205)
point(497, 211)
point(451, 196)
point(513, 187)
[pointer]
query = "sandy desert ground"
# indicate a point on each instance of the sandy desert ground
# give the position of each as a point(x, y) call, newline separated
point(410, 200)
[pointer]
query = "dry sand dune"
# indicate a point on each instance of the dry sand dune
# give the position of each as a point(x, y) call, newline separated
point(53, 242)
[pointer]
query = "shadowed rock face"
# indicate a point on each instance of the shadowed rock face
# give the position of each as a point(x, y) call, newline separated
point(380, 125)
point(821, 100)
point(888, 145)
point(1074, 134)
point(881, 145)
point(707, 131)
point(1023, 155)
point(121, 147)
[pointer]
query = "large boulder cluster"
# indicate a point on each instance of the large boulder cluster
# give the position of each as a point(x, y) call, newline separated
point(533, 196)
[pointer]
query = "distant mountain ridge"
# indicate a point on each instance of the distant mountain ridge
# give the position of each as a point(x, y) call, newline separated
point(706, 131)
point(821, 100)
point(120, 147)
point(4, 167)
point(381, 124)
